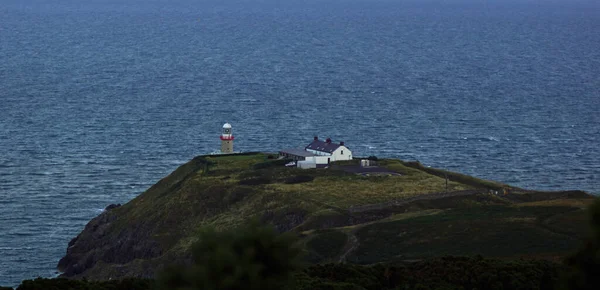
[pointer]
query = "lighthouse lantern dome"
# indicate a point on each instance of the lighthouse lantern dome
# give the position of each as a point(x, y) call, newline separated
point(227, 132)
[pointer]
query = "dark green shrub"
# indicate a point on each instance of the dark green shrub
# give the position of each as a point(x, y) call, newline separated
point(271, 163)
point(583, 270)
point(251, 257)
point(327, 244)
point(299, 179)
point(238, 193)
point(366, 277)
point(237, 259)
point(71, 284)
point(255, 181)
point(43, 284)
point(327, 285)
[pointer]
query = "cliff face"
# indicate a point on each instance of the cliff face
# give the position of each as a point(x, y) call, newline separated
point(97, 243)
point(123, 239)
point(341, 216)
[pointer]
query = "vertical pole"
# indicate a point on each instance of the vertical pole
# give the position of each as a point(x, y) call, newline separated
point(446, 175)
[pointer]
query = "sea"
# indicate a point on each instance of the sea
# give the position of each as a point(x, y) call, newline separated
point(99, 99)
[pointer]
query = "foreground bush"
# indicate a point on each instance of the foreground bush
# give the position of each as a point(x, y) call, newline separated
point(584, 266)
point(68, 284)
point(253, 257)
point(440, 273)
point(257, 257)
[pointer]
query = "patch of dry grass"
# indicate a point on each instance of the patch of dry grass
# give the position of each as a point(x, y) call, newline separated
point(344, 192)
point(415, 168)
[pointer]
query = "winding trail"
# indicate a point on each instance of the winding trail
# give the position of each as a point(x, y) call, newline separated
point(350, 247)
point(543, 223)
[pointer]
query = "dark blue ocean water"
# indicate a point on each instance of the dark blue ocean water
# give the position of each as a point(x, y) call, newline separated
point(99, 99)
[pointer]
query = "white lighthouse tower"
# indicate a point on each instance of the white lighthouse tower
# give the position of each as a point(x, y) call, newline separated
point(227, 139)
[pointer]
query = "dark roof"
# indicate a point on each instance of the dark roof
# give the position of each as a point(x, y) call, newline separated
point(297, 152)
point(323, 146)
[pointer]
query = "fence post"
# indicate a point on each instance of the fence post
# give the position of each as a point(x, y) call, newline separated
point(446, 176)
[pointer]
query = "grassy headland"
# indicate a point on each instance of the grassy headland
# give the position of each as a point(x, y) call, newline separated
point(341, 216)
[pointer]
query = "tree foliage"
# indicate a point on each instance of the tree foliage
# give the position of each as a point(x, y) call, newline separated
point(584, 266)
point(252, 257)
point(257, 257)
point(440, 273)
point(69, 284)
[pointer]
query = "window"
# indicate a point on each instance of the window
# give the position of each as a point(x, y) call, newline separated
point(342, 152)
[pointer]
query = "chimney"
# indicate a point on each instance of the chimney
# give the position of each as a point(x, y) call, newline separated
point(316, 138)
point(342, 143)
point(328, 140)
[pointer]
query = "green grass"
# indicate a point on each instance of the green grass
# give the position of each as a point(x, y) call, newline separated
point(346, 191)
point(439, 273)
point(485, 230)
point(325, 218)
point(222, 192)
point(574, 223)
point(326, 245)
point(412, 168)
point(191, 197)
point(333, 187)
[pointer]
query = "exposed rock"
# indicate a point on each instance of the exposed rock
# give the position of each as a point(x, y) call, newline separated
point(97, 244)
point(131, 240)
point(112, 206)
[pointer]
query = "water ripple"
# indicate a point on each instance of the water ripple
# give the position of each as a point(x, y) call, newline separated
point(100, 100)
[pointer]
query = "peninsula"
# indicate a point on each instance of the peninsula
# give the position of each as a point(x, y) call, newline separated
point(400, 211)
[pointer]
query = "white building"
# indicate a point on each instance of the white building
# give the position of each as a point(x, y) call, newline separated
point(318, 153)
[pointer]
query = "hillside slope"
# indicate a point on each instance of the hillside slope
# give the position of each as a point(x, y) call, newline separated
point(396, 211)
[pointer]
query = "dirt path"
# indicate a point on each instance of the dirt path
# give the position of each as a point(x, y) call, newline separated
point(350, 246)
point(543, 223)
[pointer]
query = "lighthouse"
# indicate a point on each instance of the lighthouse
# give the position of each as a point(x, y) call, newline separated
point(227, 139)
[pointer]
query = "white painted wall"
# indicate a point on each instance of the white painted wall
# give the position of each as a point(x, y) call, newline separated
point(322, 159)
point(320, 153)
point(318, 159)
point(306, 164)
point(342, 153)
